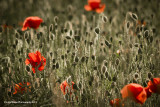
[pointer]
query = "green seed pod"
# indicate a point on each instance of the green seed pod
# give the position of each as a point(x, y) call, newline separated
point(53, 66)
point(146, 33)
point(97, 30)
point(76, 59)
point(117, 61)
point(139, 51)
point(54, 61)
point(104, 19)
point(56, 19)
point(51, 28)
point(136, 75)
point(134, 16)
point(1, 29)
point(150, 75)
point(57, 65)
point(93, 57)
point(28, 68)
point(82, 59)
point(128, 25)
point(103, 69)
point(68, 37)
point(136, 44)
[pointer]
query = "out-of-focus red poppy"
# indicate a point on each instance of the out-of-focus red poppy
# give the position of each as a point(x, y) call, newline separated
point(36, 60)
point(65, 88)
point(31, 22)
point(116, 103)
point(95, 5)
point(5, 27)
point(22, 87)
point(141, 23)
point(154, 85)
point(148, 91)
point(135, 92)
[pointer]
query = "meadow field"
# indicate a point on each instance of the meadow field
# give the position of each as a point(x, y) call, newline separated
point(79, 58)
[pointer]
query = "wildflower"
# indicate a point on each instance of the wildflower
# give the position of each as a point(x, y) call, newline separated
point(95, 5)
point(135, 92)
point(154, 85)
point(36, 60)
point(65, 88)
point(31, 22)
point(118, 52)
point(20, 88)
point(141, 23)
point(116, 103)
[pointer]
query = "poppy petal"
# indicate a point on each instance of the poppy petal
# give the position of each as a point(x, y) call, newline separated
point(33, 57)
point(88, 8)
point(33, 69)
point(101, 9)
point(141, 98)
point(41, 68)
point(38, 56)
point(27, 62)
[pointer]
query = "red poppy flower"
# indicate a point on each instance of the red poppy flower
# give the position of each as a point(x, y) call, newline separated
point(65, 88)
point(36, 60)
point(95, 5)
point(32, 22)
point(148, 92)
point(154, 85)
point(116, 103)
point(135, 92)
point(20, 88)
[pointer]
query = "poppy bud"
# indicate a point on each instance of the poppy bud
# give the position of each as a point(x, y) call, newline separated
point(93, 57)
point(120, 42)
point(95, 68)
point(111, 39)
point(107, 43)
point(56, 19)
point(51, 28)
point(16, 42)
point(53, 60)
point(109, 78)
point(65, 30)
point(136, 75)
point(20, 60)
point(56, 26)
point(149, 75)
point(97, 30)
point(139, 51)
point(62, 56)
point(146, 33)
point(1, 29)
point(128, 25)
point(82, 59)
point(76, 59)
point(53, 66)
point(103, 69)
point(114, 78)
point(77, 38)
point(151, 39)
point(68, 37)
point(136, 44)
point(134, 16)
point(57, 65)
point(105, 19)
point(106, 74)
point(65, 42)
point(27, 68)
